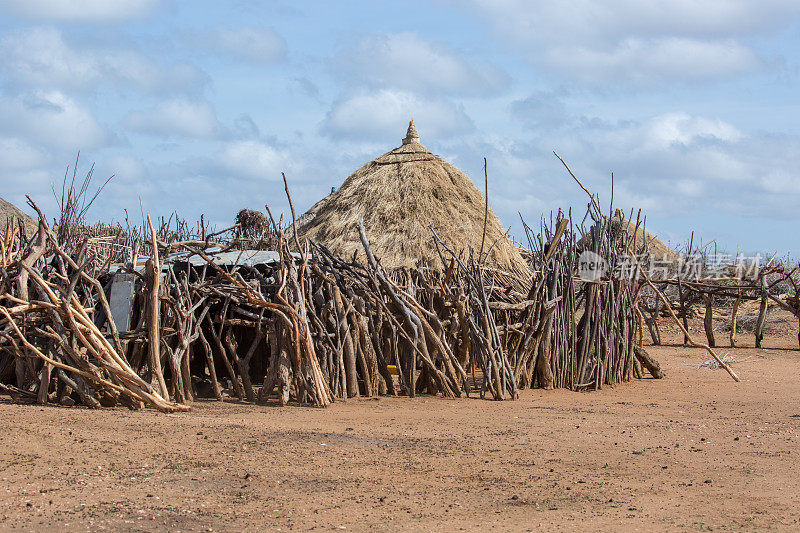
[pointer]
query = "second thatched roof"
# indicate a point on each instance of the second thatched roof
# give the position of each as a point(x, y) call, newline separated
point(398, 195)
point(645, 241)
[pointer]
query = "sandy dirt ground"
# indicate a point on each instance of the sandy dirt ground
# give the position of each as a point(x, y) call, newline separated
point(694, 451)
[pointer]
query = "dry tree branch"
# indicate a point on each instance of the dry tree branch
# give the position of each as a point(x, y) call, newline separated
point(485, 208)
point(654, 288)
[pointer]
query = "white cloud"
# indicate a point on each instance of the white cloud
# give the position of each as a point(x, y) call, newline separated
point(53, 119)
point(79, 10)
point(540, 109)
point(35, 182)
point(660, 133)
point(681, 128)
point(17, 154)
point(384, 114)
point(685, 163)
point(781, 181)
point(177, 117)
point(644, 42)
point(42, 57)
point(245, 127)
point(23, 170)
point(526, 203)
point(406, 61)
point(648, 62)
point(255, 160)
point(259, 45)
point(678, 167)
point(691, 188)
point(125, 169)
point(609, 20)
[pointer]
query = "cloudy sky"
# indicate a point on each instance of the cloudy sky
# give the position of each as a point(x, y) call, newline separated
point(197, 106)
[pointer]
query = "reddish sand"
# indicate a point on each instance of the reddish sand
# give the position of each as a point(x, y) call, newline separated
point(692, 451)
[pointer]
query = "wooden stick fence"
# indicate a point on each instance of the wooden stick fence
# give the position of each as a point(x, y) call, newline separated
point(308, 326)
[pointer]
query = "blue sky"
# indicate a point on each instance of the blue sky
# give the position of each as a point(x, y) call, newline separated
point(198, 106)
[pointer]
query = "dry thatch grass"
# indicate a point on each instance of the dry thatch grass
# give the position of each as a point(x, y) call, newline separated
point(398, 195)
point(9, 211)
point(645, 241)
point(252, 223)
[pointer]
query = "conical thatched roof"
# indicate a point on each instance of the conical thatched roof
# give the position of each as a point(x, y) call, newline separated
point(645, 241)
point(398, 195)
point(10, 211)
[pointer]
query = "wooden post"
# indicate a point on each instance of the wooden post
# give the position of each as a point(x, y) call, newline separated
point(762, 313)
point(654, 321)
point(544, 372)
point(44, 383)
point(153, 269)
point(734, 311)
point(640, 324)
point(708, 320)
point(684, 317)
point(682, 296)
point(350, 370)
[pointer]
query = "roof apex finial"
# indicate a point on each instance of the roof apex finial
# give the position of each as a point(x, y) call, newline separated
point(411, 135)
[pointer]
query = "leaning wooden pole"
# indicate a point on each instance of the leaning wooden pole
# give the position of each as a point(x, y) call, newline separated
point(692, 342)
point(154, 352)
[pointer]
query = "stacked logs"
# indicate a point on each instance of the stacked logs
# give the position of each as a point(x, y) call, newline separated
point(308, 326)
point(50, 331)
point(591, 340)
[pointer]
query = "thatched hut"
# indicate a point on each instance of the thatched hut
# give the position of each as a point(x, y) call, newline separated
point(645, 241)
point(9, 212)
point(399, 195)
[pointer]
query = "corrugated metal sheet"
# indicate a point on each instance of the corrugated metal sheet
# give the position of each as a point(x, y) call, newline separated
point(237, 257)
